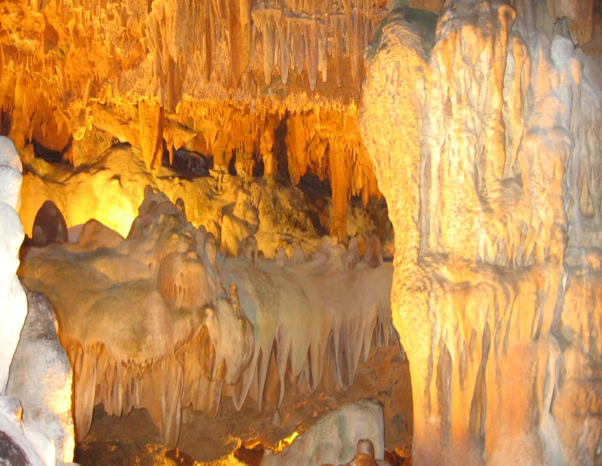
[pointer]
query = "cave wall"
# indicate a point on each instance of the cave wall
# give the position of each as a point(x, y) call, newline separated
point(486, 147)
point(488, 151)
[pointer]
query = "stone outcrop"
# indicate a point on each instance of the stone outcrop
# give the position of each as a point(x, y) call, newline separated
point(22, 439)
point(11, 233)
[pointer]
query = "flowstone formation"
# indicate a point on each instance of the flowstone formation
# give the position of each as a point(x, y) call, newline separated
point(487, 150)
point(147, 321)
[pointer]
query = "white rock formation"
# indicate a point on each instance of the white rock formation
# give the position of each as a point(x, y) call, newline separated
point(14, 310)
point(41, 378)
point(334, 438)
point(18, 445)
point(36, 427)
point(15, 447)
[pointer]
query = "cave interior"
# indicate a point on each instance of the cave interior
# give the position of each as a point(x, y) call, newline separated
point(317, 232)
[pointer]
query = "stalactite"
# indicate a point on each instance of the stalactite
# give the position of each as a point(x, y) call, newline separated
point(312, 48)
point(340, 174)
point(151, 116)
point(300, 289)
point(174, 319)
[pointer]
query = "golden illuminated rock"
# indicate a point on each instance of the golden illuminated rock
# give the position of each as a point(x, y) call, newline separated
point(135, 318)
point(221, 73)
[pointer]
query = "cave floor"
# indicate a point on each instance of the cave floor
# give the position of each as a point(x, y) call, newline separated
point(239, 437)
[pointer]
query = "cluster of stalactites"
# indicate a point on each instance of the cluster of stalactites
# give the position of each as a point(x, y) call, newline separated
point(316, 318)
point(230, 41)
point(62, 58)
point(161, 50)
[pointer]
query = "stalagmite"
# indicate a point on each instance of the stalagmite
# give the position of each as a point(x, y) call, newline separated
point(43, 384)
point(334, 438)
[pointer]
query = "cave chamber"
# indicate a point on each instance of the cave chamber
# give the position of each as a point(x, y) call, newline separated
point(271, 232)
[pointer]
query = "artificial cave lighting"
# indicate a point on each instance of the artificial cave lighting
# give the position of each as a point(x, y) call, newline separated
point(276, 233)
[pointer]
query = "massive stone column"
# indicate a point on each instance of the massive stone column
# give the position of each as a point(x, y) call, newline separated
point(483, 150)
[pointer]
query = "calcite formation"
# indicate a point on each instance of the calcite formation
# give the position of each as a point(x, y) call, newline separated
point(147, 322)
point(15, 447)
point(18, 443)
point(483, 131)
point(321, 317)
point(487, 151)
point(14, 308)
point(141, 319)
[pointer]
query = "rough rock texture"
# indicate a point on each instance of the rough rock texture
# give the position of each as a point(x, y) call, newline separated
point(19, 446)
point(487, 152)
point(146, 320)
point(334, 438)
point(41, 378)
